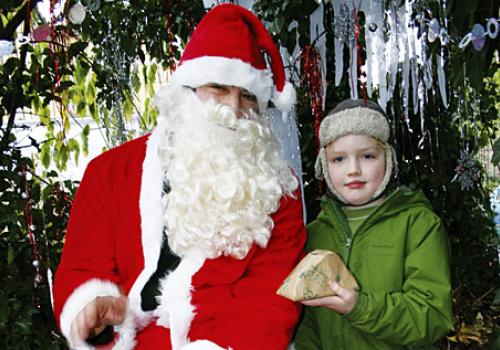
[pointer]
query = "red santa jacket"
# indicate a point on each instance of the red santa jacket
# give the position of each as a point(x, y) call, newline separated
point(113, 243)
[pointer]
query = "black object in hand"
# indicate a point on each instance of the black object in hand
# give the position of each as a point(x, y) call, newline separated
point(104, 337)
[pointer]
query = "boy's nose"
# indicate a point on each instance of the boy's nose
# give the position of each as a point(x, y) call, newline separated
point(354, 168)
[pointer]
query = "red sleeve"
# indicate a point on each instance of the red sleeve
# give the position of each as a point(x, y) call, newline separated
point(87, 267)
point(255, 317)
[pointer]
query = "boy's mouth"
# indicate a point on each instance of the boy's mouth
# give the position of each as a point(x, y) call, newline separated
point(355, 184)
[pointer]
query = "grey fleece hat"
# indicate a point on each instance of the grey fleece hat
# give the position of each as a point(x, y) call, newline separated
point(358, 117)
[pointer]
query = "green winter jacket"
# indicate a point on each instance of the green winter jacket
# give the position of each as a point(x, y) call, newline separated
point(400, 258)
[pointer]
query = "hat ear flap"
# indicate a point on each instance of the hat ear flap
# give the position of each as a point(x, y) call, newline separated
point(395, 165)
point(318, 168)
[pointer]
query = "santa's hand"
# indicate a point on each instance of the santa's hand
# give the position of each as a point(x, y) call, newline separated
point(343, 301)
point(95, 316)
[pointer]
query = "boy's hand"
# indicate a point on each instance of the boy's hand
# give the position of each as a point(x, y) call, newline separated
point(343, 301)
point(96, 315)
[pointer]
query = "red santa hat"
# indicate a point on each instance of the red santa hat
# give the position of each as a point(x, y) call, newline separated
point(228, 47)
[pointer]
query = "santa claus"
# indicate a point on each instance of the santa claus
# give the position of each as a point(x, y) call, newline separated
point(179, 239)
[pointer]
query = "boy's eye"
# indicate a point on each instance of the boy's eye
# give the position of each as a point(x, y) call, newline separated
point(336, 159)
point(369, 156)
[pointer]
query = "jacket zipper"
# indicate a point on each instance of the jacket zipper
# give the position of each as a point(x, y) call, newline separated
point(347, 233)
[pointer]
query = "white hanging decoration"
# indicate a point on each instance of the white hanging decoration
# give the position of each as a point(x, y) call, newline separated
point(317, 31)
point(441, 79)
point(22, 39)
point(295, 70)
point(351, 11)
point(415, 55)
point(287, 133)
point(492, 28)
point(376, 50)
point(77, 13)
point(433, 30)
point(444, 39)
point(397, 42)
point(392, 49)
point(424, 81)
point(246, 3)
point(343, 29)
point(404, 56)
point(478, 36)
point(427, 73)
point(50, 281)
point(6, 48)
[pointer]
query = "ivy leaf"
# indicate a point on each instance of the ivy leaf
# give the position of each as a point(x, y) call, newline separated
point(24, 325)
point(10, 255)
point(85, 139)
point(77, 48)
point(495, 158)
point(45, 154)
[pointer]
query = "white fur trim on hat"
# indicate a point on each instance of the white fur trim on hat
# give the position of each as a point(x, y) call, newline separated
point(390, 164)
point(226, 71)
point(358, 120)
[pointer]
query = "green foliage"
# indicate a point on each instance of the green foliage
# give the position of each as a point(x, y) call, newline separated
point(26, 319)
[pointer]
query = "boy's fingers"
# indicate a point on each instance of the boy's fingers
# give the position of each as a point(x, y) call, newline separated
point(337, 289)
point(319, 301)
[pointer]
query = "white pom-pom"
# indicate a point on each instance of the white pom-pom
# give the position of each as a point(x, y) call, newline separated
point(285, 99)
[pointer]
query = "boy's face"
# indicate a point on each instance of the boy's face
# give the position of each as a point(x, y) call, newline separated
point(356, 166)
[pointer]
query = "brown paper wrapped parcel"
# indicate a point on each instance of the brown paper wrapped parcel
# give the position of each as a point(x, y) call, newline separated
point(310, 277)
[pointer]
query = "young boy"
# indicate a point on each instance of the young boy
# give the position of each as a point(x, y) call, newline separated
point(388, 236)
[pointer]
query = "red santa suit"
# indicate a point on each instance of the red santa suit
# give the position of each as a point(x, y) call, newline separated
point(113, 244)
point(116, 229)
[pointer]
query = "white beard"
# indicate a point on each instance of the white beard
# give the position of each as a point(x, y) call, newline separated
point(226, 175)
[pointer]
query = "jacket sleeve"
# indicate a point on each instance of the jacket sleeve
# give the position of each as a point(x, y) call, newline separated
point(255, 317)
point(421, 312)
point(87, 267)
point(307, 337)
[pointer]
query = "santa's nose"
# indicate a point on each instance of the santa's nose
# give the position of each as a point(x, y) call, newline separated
point(233, 99)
